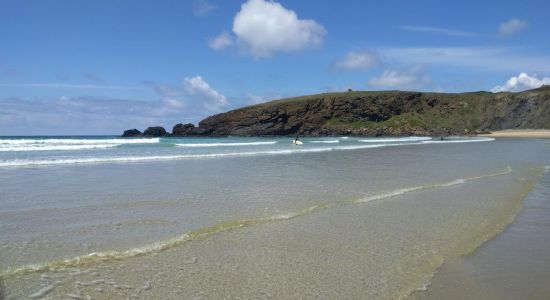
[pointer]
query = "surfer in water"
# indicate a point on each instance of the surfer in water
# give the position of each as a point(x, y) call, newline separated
point(296, 141)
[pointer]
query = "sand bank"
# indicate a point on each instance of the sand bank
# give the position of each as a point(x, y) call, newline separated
point(520, 133)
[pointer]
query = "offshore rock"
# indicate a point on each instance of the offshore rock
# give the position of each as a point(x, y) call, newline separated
point(156, 131)
point(131, 133)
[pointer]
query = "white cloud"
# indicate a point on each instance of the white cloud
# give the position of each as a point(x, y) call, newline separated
point(195, 94)
point(401, 79)
point(173, 103)
point(190, 101)
point(509, 59)
point(265, 27)
point(200, 91)
point(520, 83)
point(437, 30)
point(357, 61)
point(202, 8)
point(221, 41)
point(511, 27)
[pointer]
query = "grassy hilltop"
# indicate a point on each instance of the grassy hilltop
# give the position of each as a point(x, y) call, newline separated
point(372, 113)
point(386, 113)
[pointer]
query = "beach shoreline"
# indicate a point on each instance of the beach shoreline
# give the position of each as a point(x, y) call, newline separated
point(501, 268)
point(519, 133)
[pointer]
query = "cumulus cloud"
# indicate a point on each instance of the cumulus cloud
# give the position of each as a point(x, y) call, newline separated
point(401, 79)
point(202, 8)
point(221, 41)
point(266, 27)
point(190, 101)
point(201, 92)
point(511, 27)
point(361, 60)
point(520, 83)
point(194, 94)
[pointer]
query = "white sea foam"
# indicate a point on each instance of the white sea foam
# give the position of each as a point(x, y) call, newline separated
point(42, 162)
point(201, 145)
point(122, 159)
point(325, 142)
point(359, 147)
point(43, 147)
point(23, 145)
point(77, 141)
point(397, 139)
point(459, 140)
point(454, 182)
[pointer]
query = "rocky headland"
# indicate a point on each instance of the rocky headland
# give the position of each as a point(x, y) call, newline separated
point(369, 113)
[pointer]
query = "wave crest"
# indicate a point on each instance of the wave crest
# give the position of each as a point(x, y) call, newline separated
point(200, 145)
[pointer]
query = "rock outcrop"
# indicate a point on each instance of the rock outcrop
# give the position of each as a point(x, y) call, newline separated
point(382, 113)
point(186, 130)
point(131, 133)
point(156, 131)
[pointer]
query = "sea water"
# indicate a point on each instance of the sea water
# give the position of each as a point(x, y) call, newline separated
point(339, 217)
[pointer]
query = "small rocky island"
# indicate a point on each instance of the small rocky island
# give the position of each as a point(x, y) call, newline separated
point(386, 113)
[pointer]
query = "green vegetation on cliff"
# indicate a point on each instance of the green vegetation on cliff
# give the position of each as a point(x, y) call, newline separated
point(386, 113)
point(382, 113)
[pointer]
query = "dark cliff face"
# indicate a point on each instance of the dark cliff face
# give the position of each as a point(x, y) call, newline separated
point(386, 113)
point(381, 113)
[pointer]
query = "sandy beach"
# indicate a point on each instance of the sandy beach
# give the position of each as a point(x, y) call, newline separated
point(337, 218)
point(520, 133)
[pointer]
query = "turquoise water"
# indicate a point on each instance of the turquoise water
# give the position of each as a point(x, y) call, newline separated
point(21, 152)
point(338, 217)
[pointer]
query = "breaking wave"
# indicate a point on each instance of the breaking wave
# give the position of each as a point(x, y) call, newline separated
point(124, 159)
point(77, 141)
point(24, 145)
point(31, 147)
point(454, 140)
point(199, 145)
point(325, 142)
point(398, 139)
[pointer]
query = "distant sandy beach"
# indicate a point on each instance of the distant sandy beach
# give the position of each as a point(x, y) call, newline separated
point(520, 133)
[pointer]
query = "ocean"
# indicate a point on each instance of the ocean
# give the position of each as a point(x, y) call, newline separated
point(222, 218)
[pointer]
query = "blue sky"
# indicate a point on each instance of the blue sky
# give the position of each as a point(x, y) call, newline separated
point(99, 67)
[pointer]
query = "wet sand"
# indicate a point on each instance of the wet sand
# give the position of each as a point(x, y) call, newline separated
point(370, 224)
point(513, 265)
point(520, 133)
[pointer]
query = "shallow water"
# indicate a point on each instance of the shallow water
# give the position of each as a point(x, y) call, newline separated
point(255, 218)
point(513, 265)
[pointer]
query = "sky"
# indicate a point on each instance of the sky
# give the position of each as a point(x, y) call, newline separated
point(72, 67)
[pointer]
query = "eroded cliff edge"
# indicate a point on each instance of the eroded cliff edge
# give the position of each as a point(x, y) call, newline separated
point(381, 113)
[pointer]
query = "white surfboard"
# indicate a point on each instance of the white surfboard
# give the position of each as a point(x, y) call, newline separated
point(297, 142)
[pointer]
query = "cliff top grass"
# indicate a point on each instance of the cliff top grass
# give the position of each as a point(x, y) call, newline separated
point(359, 94)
